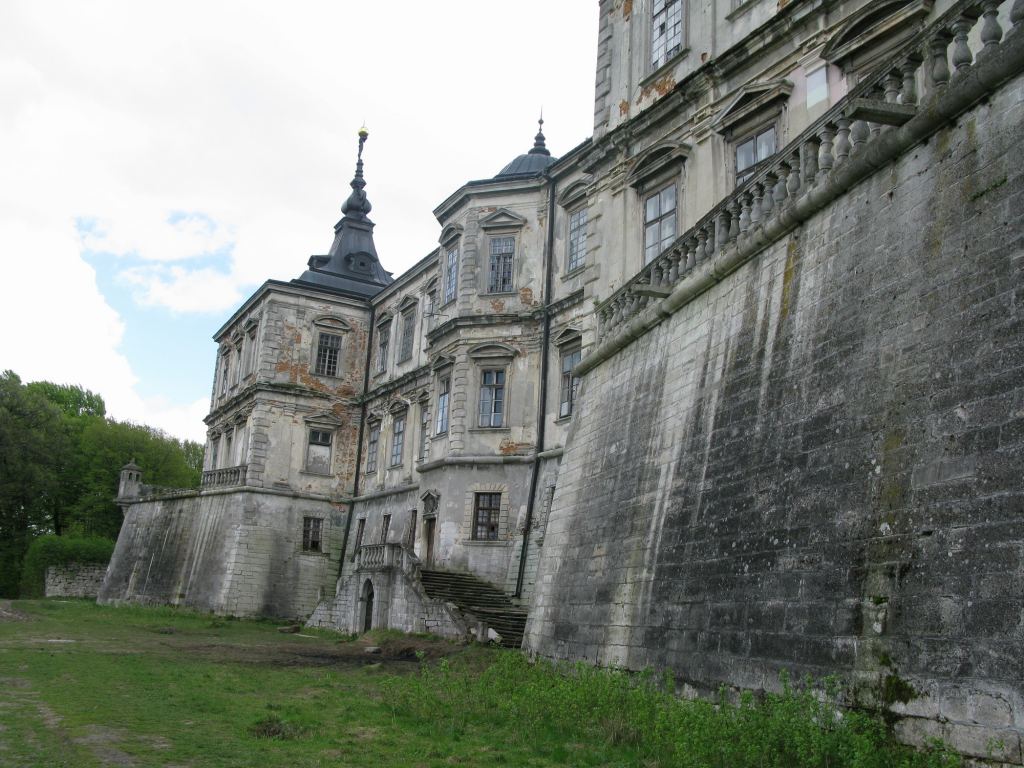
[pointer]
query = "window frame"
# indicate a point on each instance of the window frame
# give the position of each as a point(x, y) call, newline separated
point(360, 533)
point(576, 239)
point(407, 334)
point(424, 430)
point(397, 447)
point(383, 345)
point(319, 357)
point(450, 288)
point(491, 528)
point(499, 385)
point(444, 390)
point(312, 535)
point(501, 264)
point(646, 198)
point(373, 448)
point(319, 430)
point(385, 527)
point(754, 136)
point(568, 384)
point(661, 13)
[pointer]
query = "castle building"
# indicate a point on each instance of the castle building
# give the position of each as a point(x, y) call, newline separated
point(732, 387)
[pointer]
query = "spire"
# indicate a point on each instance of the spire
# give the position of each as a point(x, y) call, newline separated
point(538, 141)
point(357, 206)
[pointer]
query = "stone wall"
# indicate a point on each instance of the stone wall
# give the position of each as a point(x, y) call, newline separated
point(237, 553)
point(815, 465)
point(74, 579)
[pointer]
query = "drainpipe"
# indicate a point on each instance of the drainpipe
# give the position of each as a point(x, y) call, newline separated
point(359, 443)
point(549, 246)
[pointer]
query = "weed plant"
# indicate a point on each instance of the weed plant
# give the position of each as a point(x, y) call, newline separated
point(800, 726)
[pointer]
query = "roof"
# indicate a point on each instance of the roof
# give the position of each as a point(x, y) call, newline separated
point(533, 162)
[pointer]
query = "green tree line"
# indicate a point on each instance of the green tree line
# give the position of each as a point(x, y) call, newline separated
point(60, 464)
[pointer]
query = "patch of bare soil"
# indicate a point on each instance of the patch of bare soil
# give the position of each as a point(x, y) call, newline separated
point(9, 614)
point(102, 742)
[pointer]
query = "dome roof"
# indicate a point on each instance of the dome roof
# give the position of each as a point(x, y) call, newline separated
point(533, 162)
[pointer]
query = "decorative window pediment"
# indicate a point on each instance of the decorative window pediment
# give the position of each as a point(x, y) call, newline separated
point(755, 103)
point(407, 303)
point(331, 323)
point(492, 351)
point(569, 335)
point(384, 318)
point(398, 405)
point(653, 166)
point(324, 419)
point(502, 218)
point(450, 234)
point(573, 195)
point(874, 31)
point(441, 361)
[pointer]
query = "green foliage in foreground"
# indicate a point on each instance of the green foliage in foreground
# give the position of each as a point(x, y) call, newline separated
point(59, 550)
point(86, 686)
point(580, 703)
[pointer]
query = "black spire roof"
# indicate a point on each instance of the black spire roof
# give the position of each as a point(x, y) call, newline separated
point(534, 161)
point(351, 266)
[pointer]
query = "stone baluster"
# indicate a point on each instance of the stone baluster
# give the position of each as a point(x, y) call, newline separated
point(702, 242)
point(768, 200)
point(1017, 13)
point(876, 93)
point(842, 148)
point(756, 192)
point(654, 272)
point(781, 192)
point(991, 32)
point(859, 134)
point(793, 180)
point(962, 56)
point(908, 95)
point(712, 244)
point(734, 220)
point(744, 213)
point(721, 229)
point(691, 253)
point(939, 63)
point(670, 263)
point(825, 159)
point(809, 161)
point(617, 315)
point(893, 81)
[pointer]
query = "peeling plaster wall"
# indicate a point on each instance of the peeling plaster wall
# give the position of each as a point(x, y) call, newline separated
point(816, 464)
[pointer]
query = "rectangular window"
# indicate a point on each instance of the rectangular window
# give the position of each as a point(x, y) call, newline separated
point(229, 457)
point(410, 538)
point(752, 151)
point(225, 371)
point(318, 452)
point(666, 30)
point(659, 222)
point(451, 275)
point(360, 530)
point(385, 526)
point(312, 530)
point(577, 253)
point(500, 276)
point(383, 340)
point(397, 440)
point(570, 383)
point(214, 451)
point(408, 331)
point(430, 311)
point(443, 393)
point(424, 431)
point(492, 397)
point(817, 86)
point(486, 514)
point(372, 443)
point(327, 347)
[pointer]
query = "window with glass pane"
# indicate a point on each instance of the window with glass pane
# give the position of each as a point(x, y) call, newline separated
point(408, 329)
point(312, 534)
point(372, 446)
point(360, 532)
point(424, 431)
point(385, 526)
point(666, 30)
point(443, 392)
point(500, 276)
point(659, 222)
point(327, 347)
point(577, 240)
point(383, 340)
point(318, 452)
point(492, 397)
point(570, 383)
point(451, 275)
point(397, 440)
point(752, 151)
point(486, 515)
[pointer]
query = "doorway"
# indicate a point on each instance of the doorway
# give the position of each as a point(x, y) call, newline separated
point(428, 539)
point(367, 606)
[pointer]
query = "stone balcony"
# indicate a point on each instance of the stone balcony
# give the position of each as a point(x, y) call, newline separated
point(385, 557)
point(226, 477)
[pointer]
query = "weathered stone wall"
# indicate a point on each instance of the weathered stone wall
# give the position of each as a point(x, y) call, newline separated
point(816, 464)
point(237, 553)
point(74, 579)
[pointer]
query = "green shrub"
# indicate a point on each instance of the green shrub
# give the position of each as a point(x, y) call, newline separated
point(59, 550)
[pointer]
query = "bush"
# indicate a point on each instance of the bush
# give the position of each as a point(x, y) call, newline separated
point(59, 550)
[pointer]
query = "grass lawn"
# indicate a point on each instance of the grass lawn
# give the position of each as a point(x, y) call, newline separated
point(83, 685)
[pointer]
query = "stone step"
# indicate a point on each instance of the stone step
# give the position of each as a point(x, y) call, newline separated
point(478, 599)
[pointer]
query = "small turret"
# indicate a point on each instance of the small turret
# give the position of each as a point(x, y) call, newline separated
point(131, 481)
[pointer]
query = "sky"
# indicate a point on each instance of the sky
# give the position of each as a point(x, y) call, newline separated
point(159, 161)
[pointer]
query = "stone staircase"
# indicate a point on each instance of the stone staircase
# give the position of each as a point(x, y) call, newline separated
point(477, 599)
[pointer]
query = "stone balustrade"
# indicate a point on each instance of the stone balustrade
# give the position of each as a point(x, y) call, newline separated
point(225, 477)
point(880, 118)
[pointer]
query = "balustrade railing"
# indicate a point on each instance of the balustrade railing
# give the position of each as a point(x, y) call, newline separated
point(881, 102)
point(224, 477)
point(382, 557)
